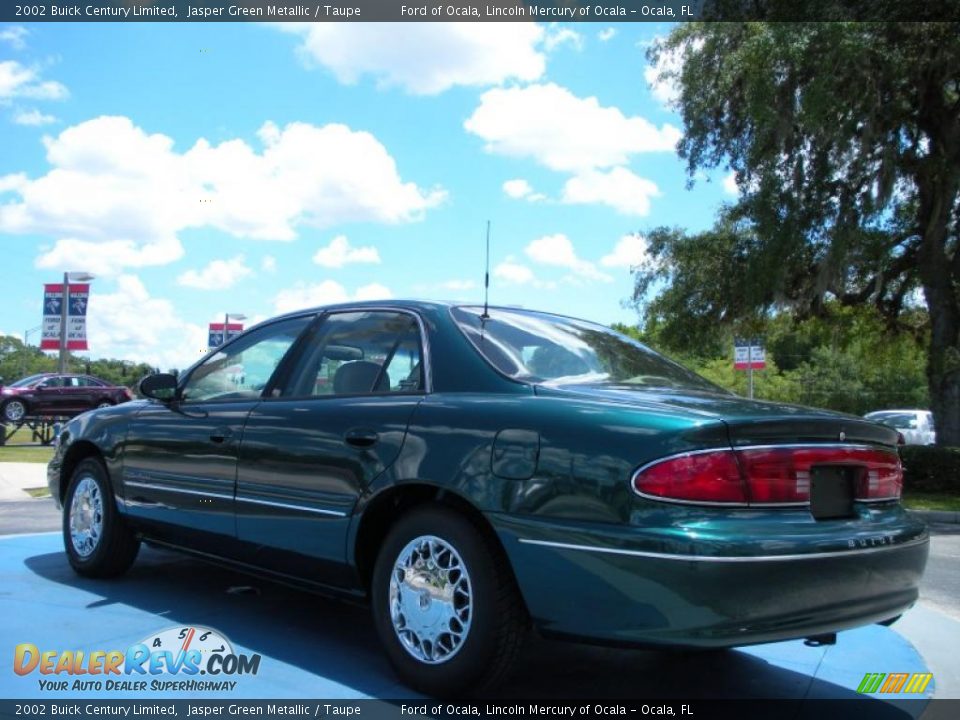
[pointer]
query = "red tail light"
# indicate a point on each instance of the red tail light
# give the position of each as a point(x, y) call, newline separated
point(767, 476)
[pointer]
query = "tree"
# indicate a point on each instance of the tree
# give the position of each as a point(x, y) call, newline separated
point(845, 141)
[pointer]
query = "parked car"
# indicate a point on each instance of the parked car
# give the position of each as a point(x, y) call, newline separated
point(470, 472)
point(916, 426)
point(48, 394)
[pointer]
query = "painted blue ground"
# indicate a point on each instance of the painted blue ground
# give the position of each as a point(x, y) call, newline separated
point(313, 647)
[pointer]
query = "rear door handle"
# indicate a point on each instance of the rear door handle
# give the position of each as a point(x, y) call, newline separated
point(361, 437)
point(221, 434)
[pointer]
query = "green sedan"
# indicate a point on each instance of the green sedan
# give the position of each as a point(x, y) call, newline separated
point(477, 473)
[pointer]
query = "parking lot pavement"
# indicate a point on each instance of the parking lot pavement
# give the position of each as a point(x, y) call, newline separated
point(313, 647)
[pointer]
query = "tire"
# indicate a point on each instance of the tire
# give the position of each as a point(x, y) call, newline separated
point(97, 540)
point(487, 607)
point(14, 411)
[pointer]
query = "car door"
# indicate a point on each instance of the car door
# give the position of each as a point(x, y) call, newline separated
point(74, 395)
point(180, 458)
point(48, 397)
point(339, 422)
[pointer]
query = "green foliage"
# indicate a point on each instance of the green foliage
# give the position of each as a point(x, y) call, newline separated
point(846, 360)
point(18, 360)
point(931, 468)
point(845, 142)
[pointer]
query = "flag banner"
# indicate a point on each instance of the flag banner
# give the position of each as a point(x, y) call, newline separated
point(215, 333)
point(78, 297)
point(748, 354)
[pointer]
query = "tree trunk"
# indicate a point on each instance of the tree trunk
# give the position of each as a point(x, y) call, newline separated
point(937, 197)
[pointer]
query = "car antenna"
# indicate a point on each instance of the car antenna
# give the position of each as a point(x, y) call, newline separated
point(486, 280)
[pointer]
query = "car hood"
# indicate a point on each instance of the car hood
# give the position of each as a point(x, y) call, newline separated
point(750, 422)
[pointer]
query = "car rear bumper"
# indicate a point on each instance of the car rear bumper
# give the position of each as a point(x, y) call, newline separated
point(596, 585)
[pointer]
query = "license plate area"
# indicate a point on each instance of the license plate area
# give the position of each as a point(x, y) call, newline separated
point(831, 491)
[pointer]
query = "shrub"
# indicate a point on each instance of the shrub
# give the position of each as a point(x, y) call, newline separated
point(931, 468)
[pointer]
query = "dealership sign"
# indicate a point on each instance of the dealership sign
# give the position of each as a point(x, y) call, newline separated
point(78, 296)
point(749, 354)
point(215, 334)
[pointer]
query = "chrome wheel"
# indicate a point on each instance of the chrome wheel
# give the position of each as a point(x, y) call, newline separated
point(14, 411)
point(431, 599)
point(104, 404)
point(86, 516)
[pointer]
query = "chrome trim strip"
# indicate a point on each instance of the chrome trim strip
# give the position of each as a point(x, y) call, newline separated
point(289, 506)
point(167, 488)
point(734, 448)
point(728, 559)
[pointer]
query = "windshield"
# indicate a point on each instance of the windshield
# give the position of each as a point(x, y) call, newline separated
point(542, 348)
point(30, 380)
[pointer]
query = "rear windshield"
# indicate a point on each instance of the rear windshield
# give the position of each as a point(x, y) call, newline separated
point(902, 421)
point(542, 348)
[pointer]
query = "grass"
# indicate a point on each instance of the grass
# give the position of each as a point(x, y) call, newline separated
point(21, 447)
point(927, 500)
point(37, 492)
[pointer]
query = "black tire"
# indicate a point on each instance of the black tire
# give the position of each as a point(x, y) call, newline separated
point(115, 547)
point(19, 415)
point(498, 618)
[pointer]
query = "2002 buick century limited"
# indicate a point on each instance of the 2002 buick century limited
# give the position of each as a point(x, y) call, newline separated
point(472, 472)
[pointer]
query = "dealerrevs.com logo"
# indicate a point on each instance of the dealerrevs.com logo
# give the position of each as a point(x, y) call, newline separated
point(168, 661)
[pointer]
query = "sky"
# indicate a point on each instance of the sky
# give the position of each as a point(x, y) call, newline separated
point(199, 169)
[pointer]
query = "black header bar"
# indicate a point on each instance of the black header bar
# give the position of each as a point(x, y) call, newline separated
point(604, 11)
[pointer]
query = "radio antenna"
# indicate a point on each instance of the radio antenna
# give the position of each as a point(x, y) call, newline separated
point(486, 280)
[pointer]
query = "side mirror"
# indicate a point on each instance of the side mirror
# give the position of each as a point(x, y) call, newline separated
point(161, 386)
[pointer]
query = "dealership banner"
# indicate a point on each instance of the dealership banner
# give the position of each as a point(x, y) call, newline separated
point(78, 297)
point(215, 333)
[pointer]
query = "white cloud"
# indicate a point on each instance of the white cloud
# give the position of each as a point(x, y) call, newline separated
point(110, 256)
point(111, 182)
point(339, 253)
point(606, 34)
point(517, 189)
point(557, 250)
point(327, 292)
point(619, 188)
point(520, 189)
point(630, 251)
point(131, 325)
point(19, 81)
point(558, 36)
point(423, 58)
point(217, 274)
point(14, 36)
point(513, 272)
point(268, 264)
point(13, 182)
point(562, 131)
point(32, 117)
point(663, 77)
point(730, 184)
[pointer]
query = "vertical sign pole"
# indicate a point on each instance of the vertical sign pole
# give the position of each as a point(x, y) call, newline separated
point(223, 338)
point(750, 367)
point(64, 309)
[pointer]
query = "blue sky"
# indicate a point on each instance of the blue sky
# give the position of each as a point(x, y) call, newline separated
point(203, 168)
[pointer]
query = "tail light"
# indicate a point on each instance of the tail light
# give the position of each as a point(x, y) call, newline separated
point(767, 475)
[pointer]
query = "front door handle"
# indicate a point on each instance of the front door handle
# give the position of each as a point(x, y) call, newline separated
point(361, 437)
point(221, 435)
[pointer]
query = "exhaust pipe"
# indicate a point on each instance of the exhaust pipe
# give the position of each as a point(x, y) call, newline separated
point(821, 640)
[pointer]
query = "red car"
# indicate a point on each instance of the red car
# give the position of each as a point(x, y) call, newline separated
point(49, 394)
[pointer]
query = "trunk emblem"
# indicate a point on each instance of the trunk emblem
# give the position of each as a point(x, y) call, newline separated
point(843, 436)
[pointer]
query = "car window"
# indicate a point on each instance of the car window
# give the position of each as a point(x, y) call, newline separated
point(53, 382)
point(900, 421)
point(357, 353)
point(242, 369)
point(91, 382)
point(29, 380)
point(541, 348)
